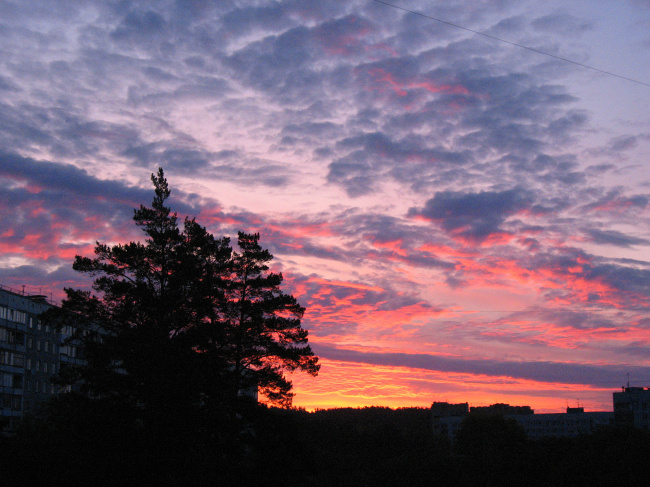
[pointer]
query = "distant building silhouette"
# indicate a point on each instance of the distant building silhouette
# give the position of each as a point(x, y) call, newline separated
point(632, 407)
point(442, 409)
point(447, 418)
point(564, 425)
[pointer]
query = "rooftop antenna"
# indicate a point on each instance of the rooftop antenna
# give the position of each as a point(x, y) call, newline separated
point(23, 289)
point(628, 380)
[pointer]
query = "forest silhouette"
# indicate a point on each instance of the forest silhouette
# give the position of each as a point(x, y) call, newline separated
point(83, 444)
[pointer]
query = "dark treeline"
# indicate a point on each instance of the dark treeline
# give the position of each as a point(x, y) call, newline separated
point(385, 447)
point(340, 447)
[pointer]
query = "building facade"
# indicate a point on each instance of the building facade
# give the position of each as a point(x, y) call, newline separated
point(632, 407)
point(30, 355)
point(563, 425)
point(448, 418)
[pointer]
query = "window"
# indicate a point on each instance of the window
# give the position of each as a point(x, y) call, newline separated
point(11, 401)
point(11, 358)
point(28, 364)
point(11, 380)
point(20, 317)
point(15, 315)
point(12, 336)
point(69, 350)
point(30, 343)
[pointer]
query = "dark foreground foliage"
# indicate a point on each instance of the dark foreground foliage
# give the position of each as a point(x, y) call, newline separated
point(182, 321)
point(73, 442)
point(178, 336)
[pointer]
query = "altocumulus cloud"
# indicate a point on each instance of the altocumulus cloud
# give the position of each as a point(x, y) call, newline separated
point(473, 216)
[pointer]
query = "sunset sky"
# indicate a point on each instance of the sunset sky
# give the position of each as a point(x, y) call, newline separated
point(464, 219)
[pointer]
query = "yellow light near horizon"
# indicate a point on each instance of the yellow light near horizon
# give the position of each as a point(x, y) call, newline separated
point(347, 384)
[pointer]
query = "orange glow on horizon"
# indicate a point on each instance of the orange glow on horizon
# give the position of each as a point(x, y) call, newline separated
point(347, 384)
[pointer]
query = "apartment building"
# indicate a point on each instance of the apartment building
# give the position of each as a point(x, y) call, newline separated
point(30, 355)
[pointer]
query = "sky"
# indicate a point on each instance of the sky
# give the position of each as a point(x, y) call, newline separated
point(465, 219)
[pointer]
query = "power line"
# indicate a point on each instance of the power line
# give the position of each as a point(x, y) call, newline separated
point(513, 43)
